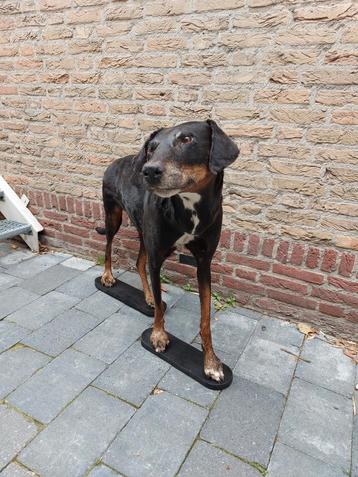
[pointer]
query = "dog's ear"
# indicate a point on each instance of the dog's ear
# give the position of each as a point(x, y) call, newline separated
point(142, 156)
point(223, 150)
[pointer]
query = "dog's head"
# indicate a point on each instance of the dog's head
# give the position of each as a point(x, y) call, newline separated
point(185, 157)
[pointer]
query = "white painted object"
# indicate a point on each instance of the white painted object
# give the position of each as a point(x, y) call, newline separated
point(190, 200)
point(13, 208)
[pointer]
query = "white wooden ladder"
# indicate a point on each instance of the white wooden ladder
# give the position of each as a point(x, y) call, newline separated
point(18, 219)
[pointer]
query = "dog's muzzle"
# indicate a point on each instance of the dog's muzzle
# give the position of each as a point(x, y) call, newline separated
point(152, 174)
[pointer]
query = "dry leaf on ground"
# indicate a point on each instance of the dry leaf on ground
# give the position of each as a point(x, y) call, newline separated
point(308, 330)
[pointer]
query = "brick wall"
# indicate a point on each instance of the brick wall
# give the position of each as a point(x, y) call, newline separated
point(83, 82)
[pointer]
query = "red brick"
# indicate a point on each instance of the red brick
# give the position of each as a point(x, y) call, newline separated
point(244, 286)
point(267, 247)
point(248, 261)
point(352, 315)
point(312, 257)
point(239, 242)
point(39, 199)
point(96, 210)
point(225, 239)
point(70, 204)
point(130, 244)
point(334, 297)
point(329, 260)
point(346, 264)
point(277, 282)
point(333, 310)
point(224, 268)
point(296, 300)
point(78, 231)
point(78, 207)
point(47, 200)
point(87, 208)
point(268, 304)
point(80, 222)
point(254, 245)
point(181, 268)
point(306, 276)
point(62, 203)
point(54, 202)
point(343, 284)
point(51, 214)
point(247, 274)
point(297, 254)
point(70, 239)
point(282, 251)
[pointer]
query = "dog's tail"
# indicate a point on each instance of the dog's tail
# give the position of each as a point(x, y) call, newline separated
point(101, 230)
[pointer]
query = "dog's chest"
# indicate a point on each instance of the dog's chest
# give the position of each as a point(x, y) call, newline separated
point(190, 201)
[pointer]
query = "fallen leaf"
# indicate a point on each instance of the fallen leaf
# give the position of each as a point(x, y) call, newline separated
point(353, 356)
point(14, 247)
point(157, 391)
point(307, 330)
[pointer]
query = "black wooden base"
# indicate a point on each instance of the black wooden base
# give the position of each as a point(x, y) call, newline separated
point(187, 359)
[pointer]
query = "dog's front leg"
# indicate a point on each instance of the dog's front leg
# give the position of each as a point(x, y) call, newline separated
point(213, 367)
point(159, 337)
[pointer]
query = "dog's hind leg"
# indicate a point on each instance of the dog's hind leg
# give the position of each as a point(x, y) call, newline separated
point(141, 263)
point(113, 221)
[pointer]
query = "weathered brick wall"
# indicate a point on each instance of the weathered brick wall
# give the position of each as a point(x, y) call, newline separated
point(83, 82)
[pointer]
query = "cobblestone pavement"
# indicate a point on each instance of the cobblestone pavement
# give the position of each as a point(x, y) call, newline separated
point(79, 396)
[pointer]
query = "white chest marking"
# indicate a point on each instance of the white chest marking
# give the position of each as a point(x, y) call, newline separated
point(190, 200)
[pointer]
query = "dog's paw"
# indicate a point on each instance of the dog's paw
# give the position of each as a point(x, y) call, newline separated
point(213, 369)
point(107, 279)
point(149, 299)
point(159, 340)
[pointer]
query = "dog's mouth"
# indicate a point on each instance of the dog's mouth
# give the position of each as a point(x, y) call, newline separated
point(164, 192)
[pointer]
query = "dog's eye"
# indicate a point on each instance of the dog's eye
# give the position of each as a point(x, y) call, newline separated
point(152, 147)
point(186, 139)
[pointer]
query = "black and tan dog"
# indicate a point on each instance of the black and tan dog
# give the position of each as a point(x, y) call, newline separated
point(172, 193)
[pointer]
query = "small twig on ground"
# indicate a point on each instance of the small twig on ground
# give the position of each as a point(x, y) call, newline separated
point(295, 355)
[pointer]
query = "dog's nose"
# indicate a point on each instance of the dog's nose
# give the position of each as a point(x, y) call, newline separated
point(152, 173)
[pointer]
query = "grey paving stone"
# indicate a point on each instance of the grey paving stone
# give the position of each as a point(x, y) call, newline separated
point(78, 263)
point(16, 432)
point(11, 258)
point(328, 367)
point(53, 387)
point(8, 281)
point(50, 279)
point(15, 470)
point(42, 310)
point(100, 304)
point(189, 301)
point(231, 332)
point(206, 460)
point(33, 266)
point(102, 471)
point(83, 285)
point(182, 323)
point(60, 333)
point(133, 375)
point(181, 385)
point(16, 366)
point(288, 462)
point(13, 299)
point(112, 337)
point(279, 331)
point(265, 363)
point(77, 438)
point(240, 310)
point(245, 420)
point(10, 334)
point(318, 423)
point(157, 438)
